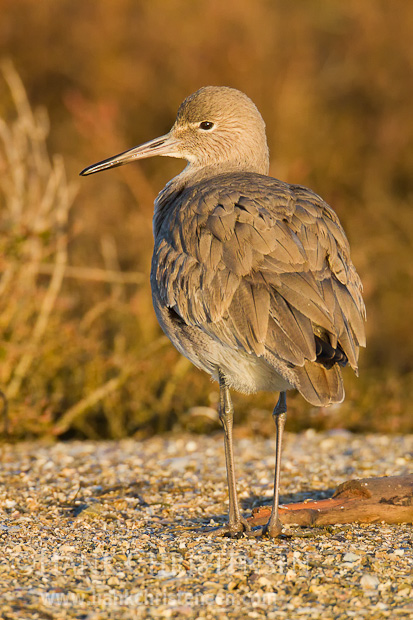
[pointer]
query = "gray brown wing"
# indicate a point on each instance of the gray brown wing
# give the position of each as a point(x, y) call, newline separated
point(266, 274)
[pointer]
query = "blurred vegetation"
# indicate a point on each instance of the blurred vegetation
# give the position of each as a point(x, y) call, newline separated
point(81, 352)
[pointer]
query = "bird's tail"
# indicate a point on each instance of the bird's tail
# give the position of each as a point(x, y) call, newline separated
point(319, 385)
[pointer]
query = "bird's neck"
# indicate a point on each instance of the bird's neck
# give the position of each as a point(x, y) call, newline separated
point(193, 173)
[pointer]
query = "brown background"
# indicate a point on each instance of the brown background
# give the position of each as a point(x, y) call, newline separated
point(333, 81)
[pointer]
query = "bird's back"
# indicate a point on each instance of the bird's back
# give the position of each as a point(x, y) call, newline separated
point(254, 275)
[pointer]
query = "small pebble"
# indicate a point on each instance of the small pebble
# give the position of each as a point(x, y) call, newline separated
point(369, 582)
point(351, 557)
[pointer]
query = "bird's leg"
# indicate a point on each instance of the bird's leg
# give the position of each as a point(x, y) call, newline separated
point(236, 523)
point(274, 527)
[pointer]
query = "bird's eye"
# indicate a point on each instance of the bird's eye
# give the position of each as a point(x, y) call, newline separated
point(205, 125)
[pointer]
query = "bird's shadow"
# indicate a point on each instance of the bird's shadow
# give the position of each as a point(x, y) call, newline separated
point(248, 504)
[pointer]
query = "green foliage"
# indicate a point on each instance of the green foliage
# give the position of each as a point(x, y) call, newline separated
point(81, 352)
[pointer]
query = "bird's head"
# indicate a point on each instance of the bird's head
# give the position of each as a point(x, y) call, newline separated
point(216, 126)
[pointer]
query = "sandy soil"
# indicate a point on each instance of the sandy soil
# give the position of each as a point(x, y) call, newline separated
point(98, 530)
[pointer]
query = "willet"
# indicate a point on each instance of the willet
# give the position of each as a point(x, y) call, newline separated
point(251, 277)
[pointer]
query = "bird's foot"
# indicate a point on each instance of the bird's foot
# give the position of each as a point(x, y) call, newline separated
point(274, 530)
point(233, 530)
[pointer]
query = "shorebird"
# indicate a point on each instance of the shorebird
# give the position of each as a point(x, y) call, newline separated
point(251, 277)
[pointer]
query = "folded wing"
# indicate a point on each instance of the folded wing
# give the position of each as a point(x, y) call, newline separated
point(265, 267)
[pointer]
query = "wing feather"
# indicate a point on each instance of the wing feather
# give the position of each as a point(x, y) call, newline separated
point(264, 267)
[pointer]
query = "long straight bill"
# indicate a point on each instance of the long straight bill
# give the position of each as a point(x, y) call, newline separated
point(165, 145)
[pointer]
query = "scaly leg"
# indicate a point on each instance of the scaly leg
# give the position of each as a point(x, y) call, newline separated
point(274, 527)
point(236, 523)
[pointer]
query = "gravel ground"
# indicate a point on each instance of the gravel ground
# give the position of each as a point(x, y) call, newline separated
point(114, 530)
